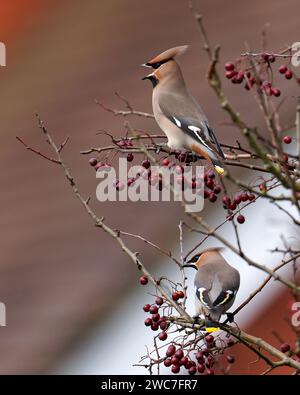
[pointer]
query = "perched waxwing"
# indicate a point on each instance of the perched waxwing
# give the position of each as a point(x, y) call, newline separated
point(216, 284)
point(177, 113)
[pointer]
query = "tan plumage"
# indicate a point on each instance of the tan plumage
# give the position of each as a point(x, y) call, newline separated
point(216, 284)
point(177, 112)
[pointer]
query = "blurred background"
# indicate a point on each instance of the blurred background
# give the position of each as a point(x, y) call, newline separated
point(73, 301)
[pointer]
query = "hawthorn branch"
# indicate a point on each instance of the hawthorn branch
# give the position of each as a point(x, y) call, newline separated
point(99, 222)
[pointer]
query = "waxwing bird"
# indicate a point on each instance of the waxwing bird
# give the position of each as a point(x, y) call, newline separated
point(177, 113)
point(216, 284)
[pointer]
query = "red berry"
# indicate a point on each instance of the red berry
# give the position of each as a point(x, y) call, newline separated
point(163, 336)
point(146, 308)
point(237, 199)
point(251, 197)
point(285, 347)
point(265, 56)
point(282, 69)
point(287, 139)
point(182, 157)
point(229, 66)
point(275, 92)
point(143, 280)
point(211, 174)
point(244, 197)
point(175, 296)
point(209, 338)
point(230, 359)
point(288, 74)
point(232, 206)
point(201, 368)
point(199, 355)
point(240, 77)
point(210, 361)
point(212, 197)
point(159, 301)
point(163, 325)
point(226, 200)
point(272, 58)
point(148, 322)
point(167, 362)
point(165, 162)
point(240, 219)
point(183, 361)
point(154, 326)
point(146, 164)
point(285, 158)
point(175, 369)
point(210, 372)
point(179, 354)
point(217, 189)
point(230, 74)
point(180, 294)
point(98, 165)
point(130, 157)
point(192, 370)
point(93, 162)
point(130, 181)
point(210, 183)
point(153, 309)
point(206, 193)
point(175, 360)
point(171, 350)
point(189, 364)
point(155, 317)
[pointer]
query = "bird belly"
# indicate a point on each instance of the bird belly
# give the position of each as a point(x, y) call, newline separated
point(176, 138)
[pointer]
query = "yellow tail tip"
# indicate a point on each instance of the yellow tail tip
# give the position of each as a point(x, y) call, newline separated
point(219, 170)
point(211, 329)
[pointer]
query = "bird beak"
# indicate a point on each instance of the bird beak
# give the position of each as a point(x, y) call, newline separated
point(187, 265)
point(149, 76)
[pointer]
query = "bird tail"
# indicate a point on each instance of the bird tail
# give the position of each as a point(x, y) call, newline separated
point(211, 321)
point(218, 166)
point(211, 327)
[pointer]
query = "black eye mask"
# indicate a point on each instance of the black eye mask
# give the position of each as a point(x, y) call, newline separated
point(157, 64)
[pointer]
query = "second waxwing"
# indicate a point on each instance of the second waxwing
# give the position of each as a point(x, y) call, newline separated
point(178, 114)
point(216, 285)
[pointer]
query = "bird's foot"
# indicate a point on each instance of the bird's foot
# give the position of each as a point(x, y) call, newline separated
point(230, 317)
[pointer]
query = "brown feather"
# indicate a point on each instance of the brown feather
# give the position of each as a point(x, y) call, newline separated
point(168, 54)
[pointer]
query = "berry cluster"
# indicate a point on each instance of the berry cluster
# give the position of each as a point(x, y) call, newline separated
point(237, 75)
point(231, 204)
point(212, 189)
point(202, 361)
point(287, 72)
point(156, 321)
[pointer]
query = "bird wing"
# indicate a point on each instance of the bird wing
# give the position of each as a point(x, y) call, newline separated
point(203, 295)
point(187, 115)
point(224, 297)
